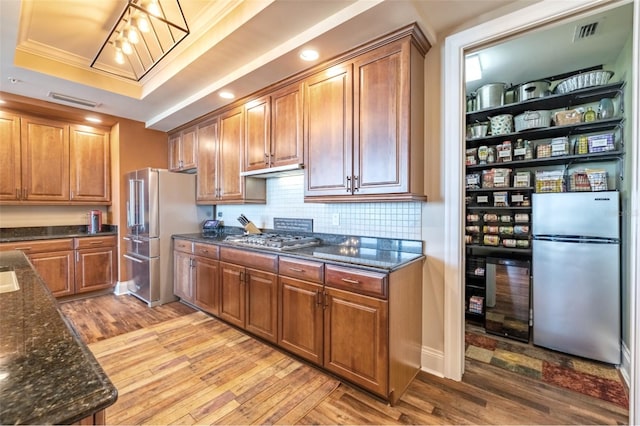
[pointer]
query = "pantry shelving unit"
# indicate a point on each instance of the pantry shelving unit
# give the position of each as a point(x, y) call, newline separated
point(474, 285)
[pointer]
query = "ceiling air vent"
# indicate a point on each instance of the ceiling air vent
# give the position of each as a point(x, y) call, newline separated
point(585, 31)
point(72, 99)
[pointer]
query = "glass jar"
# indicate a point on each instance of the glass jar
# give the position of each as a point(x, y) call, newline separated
point(528, 150)
point(605, 109)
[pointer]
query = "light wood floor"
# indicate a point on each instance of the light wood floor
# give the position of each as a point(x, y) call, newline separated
point(173, 365)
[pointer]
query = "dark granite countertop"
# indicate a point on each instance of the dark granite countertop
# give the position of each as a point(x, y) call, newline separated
point(47, 374)
point(33, 233)
point(363, 252)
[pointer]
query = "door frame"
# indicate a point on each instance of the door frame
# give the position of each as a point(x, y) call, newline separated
point(519, 22)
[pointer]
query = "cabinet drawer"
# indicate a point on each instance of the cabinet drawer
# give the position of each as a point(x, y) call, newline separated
point(206, 250)
point(183, 246)
point(41, 246)
point(94, 242)
point(264, 262)
point(302, 269)
point(357, 280)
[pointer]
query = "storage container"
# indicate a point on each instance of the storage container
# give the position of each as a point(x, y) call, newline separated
point(601, 143)
point(597, 179)
point(583, 80)
point(522, 179)
point(579, 181)
point(501, 124)
point(490, 95)
point(550, 181)
point(533, 90)
point(570, 116)
point(532, 120)
point(543, 150)
point(559, 146)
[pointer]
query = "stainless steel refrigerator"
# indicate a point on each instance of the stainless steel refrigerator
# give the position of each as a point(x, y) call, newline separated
point(576, 273)
point(159, 203)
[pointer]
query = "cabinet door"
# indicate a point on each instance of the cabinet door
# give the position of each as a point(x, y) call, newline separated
point(257, 134)
point(95, 269)
point(207, 280)
point(262, 304)
point(230, 151)
point(328, 139)
point(356, 339)
point(189, 149)
point(183, 276)
point(206, 180)
point(10, 182)
point(174, 152)
point(286, 126)
point(232, 294)
point(90, 164)
point(45, 160)
point(57, 271)
point(300, 322)
point(381, 121)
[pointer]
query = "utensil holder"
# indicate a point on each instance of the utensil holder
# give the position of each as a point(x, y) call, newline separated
point(252, 229)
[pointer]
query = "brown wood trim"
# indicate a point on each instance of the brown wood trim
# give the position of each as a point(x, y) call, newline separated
point(263, 262)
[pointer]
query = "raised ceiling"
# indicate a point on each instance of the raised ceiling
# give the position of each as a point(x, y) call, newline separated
point(239, 45)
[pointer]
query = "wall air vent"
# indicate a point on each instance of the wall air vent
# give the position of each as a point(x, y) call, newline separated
point(72, 99)
point(586, 31)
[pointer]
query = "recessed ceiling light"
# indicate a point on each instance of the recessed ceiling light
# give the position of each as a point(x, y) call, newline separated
point(2, 101)
point(309, 55)
point(227, 95)
point(93, 119)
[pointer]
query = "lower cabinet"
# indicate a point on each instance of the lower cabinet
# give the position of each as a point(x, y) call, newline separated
point(197, 275)
point(207, 292)
point(71, 266)
point(183, 270)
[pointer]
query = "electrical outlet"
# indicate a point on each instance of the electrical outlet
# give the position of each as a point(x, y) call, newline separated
point(335, 219)
point(219, 215)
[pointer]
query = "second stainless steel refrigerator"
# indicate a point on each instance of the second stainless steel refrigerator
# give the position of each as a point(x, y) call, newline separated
point(576, 273)
point(159, 204)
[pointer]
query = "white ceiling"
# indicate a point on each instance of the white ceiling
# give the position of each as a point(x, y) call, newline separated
point(240, 45)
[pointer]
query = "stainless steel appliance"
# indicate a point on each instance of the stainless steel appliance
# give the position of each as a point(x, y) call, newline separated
point(277, 242)
point(95, 222)
point(576, 273)
point(507, 307)
point(159, 204)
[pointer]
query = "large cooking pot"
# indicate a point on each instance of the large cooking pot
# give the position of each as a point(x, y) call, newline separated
point(533, 90)
point(490, 95)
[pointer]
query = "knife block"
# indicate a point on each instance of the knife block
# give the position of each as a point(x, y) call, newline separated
point(252, 229)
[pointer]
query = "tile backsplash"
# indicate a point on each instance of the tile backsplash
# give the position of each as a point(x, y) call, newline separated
point(285, 198)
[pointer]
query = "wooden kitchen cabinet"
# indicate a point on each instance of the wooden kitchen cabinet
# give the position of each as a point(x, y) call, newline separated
point(10, 172)
point(301, 307)
point(45, 160)
point(363, 126)
point(90, 173)
point(220, 151)
point(54, 260)
point(183, 267)
point(248, 297)
point(96, 266)
point(207, 278)
point(274, 129)
point(51, 162)
point(183, 150)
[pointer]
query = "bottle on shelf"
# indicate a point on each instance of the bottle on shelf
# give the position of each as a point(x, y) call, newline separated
point(589, 115)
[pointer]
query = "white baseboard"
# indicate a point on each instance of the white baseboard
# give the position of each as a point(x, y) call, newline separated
point(433, 361)
point(122, 287)
point(625, 367)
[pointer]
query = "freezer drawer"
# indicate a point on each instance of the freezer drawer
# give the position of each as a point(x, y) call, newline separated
point(576, 298)
point(143, 272)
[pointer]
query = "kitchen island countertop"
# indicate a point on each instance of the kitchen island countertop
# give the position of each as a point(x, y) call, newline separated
point(350, 252)
point(47, 374)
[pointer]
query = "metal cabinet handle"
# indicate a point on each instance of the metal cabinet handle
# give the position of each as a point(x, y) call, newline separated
point(17, 193)
point(296, 269)
point(23, 248)
point(348, 183)
point(350, 281)
point(356, 186)
point(318, 298)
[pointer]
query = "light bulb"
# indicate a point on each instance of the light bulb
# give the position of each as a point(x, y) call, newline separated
point(131, 34)
point(141, 22)
point(119, 57)
point(126, 47)
point(152, 7)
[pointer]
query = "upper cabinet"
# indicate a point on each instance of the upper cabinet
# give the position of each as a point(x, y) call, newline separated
point(183, 150)
point(363, 136)
point(220, 143)
point(51, 162)
point(274, 129)
point(90, 164)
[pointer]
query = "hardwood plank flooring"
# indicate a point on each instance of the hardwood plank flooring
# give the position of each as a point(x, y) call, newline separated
point(174, 365)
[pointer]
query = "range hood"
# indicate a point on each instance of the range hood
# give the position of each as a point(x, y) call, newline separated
point(288, 170)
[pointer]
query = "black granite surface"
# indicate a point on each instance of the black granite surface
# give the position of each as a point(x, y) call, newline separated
point(367, 252)
point(32, 233)
point(47, 374)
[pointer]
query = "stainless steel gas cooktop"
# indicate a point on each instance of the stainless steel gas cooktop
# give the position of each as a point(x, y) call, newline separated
point(278, 242)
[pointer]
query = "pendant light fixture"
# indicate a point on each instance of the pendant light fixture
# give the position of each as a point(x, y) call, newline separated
point(146, 32)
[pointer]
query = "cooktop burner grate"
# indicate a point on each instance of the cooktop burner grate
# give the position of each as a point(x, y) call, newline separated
point(273, 241)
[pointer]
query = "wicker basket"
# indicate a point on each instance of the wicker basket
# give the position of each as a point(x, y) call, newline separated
point(571, 116)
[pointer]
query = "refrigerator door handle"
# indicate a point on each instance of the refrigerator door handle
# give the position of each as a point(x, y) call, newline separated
point(490, 283)
point(132, 258)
